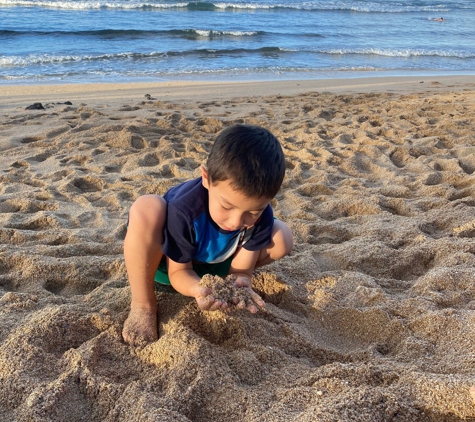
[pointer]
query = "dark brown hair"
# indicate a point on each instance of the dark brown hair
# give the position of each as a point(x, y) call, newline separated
point(250, 157)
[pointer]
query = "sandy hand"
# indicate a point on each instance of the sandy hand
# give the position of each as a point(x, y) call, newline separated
point(232, 290)
point(140, 327)
point(472, 393)
point(246, 298)
point(206, 300)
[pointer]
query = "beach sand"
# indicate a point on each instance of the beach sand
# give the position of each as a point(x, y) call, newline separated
point(372, 317)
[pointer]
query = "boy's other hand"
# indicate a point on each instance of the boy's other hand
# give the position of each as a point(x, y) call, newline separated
point(140, 327)
point(254, 301)
point(205, 301)
point(253, 304)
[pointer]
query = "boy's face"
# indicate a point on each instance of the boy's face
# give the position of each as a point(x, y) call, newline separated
point(230, 209)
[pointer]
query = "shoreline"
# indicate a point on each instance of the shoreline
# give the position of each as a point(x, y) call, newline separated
point(24, 95)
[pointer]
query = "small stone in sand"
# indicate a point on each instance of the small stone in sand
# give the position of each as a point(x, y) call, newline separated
point(35, 106)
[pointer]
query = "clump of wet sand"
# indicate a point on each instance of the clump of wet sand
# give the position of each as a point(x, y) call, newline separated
point(225, 290)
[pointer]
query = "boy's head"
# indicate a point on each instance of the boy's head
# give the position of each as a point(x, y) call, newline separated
point(250, 158)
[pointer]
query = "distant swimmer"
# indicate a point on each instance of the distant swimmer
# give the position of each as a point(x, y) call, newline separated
point(439, 19)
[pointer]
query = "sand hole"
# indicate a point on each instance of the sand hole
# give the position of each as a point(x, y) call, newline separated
point(399, 157)
point(137, 142)
point(448, 287)
point(465, 230)
point(56, 330)
point(67, 288)
point(270, 288)
point(149, 160)
point(434, 229)
point(31, 139)
point(327, 235)
point(415, 264)
point(77, 159)
point(467, 166)
point(395, 206)
point(327, 114)
point(311, 190)
point(362, 328)
point(375, 123)
point(20, 164)
point(218, 327)
point(112, 169)
point(40, 157)
point(9, 207)
point(345, 139)
point(88, 184)
point(246, 366)
point(38, 223)
point(460, 194)
point(289, 165)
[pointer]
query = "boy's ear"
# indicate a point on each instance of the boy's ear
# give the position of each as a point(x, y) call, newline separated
point(204, 175)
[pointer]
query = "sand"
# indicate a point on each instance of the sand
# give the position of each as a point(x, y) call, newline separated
point(231, 294)
point(372, 317)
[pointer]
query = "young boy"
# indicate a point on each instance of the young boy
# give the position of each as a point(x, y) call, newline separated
point(221, 223)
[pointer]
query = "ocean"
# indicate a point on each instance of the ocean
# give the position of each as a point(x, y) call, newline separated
point(76, 41)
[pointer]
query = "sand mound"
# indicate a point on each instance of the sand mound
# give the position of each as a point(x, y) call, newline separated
point(372, 318)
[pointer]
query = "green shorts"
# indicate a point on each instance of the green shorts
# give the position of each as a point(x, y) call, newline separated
point(201, 268)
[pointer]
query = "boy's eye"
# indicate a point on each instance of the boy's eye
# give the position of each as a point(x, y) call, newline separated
point(224, 208)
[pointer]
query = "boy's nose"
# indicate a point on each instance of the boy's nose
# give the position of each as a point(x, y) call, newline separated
point(236, 222)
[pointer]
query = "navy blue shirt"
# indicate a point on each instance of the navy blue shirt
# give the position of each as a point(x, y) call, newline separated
point(191, 235)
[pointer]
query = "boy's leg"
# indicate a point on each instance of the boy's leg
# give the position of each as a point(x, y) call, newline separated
point(281, 244)
point(142, 253)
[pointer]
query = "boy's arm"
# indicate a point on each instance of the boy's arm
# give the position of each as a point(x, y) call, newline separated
point(185, 281)
point(142, 253)
point(243, 263)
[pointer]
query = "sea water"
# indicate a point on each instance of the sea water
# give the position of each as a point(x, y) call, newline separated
point(48, 41)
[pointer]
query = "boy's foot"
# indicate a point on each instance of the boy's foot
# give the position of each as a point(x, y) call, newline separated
point(472, 393)
point(140, 327)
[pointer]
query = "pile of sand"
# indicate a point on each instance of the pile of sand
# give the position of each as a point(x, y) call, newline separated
point(372, 318)
point(228, 291)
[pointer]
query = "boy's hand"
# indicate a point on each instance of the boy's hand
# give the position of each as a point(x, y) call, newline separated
point(214, 292)
point(140, 328)
point(205, 300)
point(250, 301)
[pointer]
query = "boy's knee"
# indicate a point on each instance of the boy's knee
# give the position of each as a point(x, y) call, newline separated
point(148, 211)
point(283, 240)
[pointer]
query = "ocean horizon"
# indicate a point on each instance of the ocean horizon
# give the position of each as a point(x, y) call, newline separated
point(87, 41)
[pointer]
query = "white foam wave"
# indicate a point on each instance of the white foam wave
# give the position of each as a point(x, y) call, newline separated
point(401, 52)
point(213, 33)
point(88, 4)
point(17, 61)
point(336, 5)
point(365, 6)
point(44, 59)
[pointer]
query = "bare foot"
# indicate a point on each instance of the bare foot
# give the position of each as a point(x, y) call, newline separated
point(140, 327)
point(472, 393)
